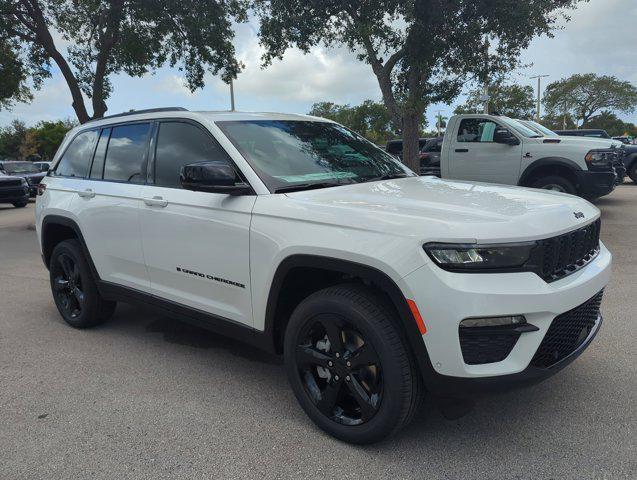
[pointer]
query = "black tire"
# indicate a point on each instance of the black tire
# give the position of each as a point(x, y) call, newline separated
point(632, 173)
point(390, 381)
point(73, 287)
point(556, 183)
point(20, 204)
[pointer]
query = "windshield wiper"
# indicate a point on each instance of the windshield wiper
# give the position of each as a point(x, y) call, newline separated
point(305, 186)
point(388, 177)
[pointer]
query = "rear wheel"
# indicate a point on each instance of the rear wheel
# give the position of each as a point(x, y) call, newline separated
point(349, 365)
point(74, 290)
point(20, 204)
point(555, 183)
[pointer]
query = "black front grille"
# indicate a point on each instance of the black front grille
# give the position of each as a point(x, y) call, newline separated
point(567, 332)
point(487, 346)
point(565, 254)
point(10, 183)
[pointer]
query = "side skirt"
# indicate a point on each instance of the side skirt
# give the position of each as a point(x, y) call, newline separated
point(199, 318)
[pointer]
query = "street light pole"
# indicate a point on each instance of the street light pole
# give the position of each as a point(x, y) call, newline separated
point(537, 112)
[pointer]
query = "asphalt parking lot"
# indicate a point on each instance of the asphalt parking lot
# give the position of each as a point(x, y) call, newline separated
point(144, 396)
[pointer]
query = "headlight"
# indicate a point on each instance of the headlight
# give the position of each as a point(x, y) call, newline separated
point(460, 257)
point(24, 182)
point(600, 158)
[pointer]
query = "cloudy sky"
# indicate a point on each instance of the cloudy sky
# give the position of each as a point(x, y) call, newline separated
point(600, 38)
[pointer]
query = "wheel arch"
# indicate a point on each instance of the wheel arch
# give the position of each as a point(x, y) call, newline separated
point(334, 271)
point(548, 166)
point(56, 229)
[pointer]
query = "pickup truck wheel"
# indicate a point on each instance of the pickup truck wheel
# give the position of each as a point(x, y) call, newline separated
point(20, 204)
point(632, 173)
point(555, 183)
point(73, 287)
point(349, 365)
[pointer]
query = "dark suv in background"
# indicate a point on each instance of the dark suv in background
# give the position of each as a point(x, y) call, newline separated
point(26, 170)
point(14, 190)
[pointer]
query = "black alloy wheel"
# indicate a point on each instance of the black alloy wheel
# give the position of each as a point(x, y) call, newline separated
point(340, 370)
point(73, 286)
point(67, 285)
point(349, 365)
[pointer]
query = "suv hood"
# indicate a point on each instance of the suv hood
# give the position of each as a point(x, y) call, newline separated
point(431, 209)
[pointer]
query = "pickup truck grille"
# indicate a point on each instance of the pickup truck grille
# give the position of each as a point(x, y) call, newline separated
point(565, 254)
point(567, 332)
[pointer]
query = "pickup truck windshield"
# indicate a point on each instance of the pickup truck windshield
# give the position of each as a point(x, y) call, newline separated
point(20, 167)
point(298, 154)
point(541, 129)
point(522, 129)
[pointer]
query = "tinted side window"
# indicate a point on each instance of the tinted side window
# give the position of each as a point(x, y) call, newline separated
point(100, 152)
point(76, 159)
point(126, 153)
point(179, 144)
point(476, 130)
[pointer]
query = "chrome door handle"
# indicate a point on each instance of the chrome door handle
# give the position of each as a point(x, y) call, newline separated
point(155, 202)
point(88, 193)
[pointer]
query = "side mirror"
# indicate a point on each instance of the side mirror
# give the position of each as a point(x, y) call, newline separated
point(212, 177)
point(502, 135)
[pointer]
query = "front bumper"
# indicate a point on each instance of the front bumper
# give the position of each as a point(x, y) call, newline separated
point(11, 195)
point(458, 387)
point(592, 184)
point(445, 298)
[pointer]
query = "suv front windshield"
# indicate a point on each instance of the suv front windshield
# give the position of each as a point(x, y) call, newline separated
point(298, 154)
point(20, 167)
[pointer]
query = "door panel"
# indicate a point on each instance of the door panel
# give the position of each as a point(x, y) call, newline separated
point(109, 220)
point(196, 246)
point(108, 205)
point(474, 155)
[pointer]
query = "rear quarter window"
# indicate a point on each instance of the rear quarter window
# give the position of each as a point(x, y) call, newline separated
point(77, 157)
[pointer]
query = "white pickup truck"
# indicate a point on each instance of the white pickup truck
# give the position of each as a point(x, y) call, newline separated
point(498, 149)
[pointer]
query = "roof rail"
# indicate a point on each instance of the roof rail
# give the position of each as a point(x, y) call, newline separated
point(135, 112)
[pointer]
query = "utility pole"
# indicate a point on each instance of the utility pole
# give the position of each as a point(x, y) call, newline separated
point(485, 89)
point(537, 113)
point(231, 95)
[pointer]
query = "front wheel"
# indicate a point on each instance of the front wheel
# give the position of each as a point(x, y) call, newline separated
point(20, 204)
point(349, 366)
point(632, 173)
point(74, 291)
point(555, 183)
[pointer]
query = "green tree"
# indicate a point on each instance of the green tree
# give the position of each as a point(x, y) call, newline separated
point(558, 122)
point(14, 74)
point(515, 101)
point(585, 95)
point(11, 137)
point(608, 121)
point(420, 51)
point(114, 36)
point(48, 136)
point(370, 119)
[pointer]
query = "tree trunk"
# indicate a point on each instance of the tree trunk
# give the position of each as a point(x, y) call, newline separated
point(411, 136)
point(45, 40)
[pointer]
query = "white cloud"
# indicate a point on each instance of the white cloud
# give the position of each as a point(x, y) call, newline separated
point(173, 84)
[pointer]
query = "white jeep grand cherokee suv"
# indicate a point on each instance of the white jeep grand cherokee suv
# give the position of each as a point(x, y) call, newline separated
point(299, 236)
